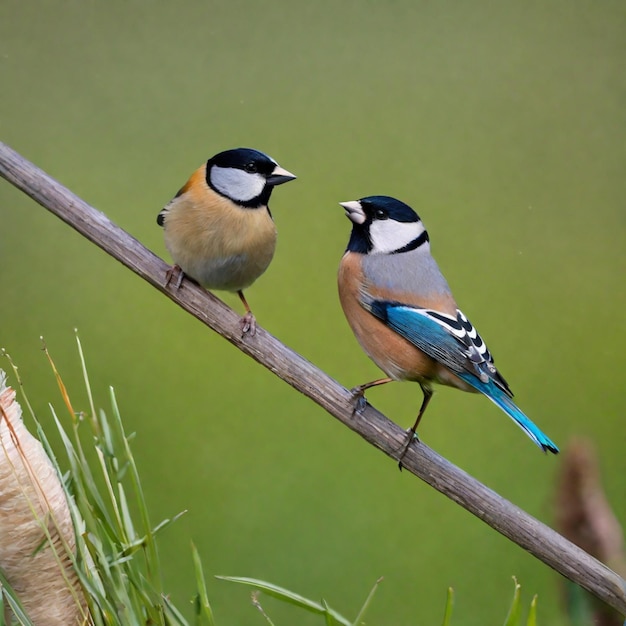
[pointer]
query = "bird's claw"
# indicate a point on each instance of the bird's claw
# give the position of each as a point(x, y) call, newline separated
point(175, 270)
point(360, 402)
point(412, 437)
point(248, 325)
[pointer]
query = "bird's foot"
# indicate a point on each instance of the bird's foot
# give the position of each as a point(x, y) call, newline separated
point(174, 271)
point(358, 396)
point(412, 437)
point(248, 324)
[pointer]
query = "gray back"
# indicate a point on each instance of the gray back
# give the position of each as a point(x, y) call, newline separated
point(414, 271)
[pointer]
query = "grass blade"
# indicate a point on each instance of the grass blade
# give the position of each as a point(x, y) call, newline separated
point(515, 612)
point(7, 593)
point(204, 613)
point(370, 595)
point(287, 596)
point(532, 614)
point(328, 615)
point(447, 616)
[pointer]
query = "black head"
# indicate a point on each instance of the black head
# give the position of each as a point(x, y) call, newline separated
point(382, 224)
point(246, 159)
point(245, 176)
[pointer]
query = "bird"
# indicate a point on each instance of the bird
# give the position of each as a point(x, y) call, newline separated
point(219, 229)
point(402, 312)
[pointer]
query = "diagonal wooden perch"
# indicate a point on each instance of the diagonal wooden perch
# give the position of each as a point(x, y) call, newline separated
point(532, 535)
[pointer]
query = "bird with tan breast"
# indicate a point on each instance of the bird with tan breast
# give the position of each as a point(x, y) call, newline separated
point(219, 229)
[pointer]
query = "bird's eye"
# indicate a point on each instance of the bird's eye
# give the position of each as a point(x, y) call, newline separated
point(380, 214)
point(250, 168)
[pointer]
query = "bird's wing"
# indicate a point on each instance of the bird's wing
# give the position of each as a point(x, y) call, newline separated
point(455, 343)
point(163, 214)
point(452, 341)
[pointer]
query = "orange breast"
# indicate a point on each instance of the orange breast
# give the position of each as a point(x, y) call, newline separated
point(396, 356)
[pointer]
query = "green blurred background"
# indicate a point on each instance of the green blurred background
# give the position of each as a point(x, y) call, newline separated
point(502, 124)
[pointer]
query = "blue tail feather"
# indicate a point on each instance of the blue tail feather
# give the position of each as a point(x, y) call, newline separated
point(498, 397)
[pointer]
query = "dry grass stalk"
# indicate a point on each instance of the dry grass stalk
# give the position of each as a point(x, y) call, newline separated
point(36, 532)
point(585, 517)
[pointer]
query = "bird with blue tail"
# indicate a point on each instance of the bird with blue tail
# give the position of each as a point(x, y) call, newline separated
point(403, 314)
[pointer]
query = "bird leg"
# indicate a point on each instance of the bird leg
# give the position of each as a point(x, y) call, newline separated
point(412, 432)
point(175, 270)
point(248, 321)
point(358, 393)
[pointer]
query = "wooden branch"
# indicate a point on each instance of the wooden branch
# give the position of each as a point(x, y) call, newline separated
point(540, 540)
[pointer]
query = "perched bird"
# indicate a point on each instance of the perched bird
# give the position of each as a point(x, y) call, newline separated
point(218, 227)
point(402, 312)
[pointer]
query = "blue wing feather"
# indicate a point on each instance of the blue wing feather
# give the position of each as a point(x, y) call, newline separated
point(430, 336)
point(457, 353)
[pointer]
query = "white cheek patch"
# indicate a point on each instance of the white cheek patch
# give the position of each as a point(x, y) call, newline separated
point(237, 184)
point(388, 235)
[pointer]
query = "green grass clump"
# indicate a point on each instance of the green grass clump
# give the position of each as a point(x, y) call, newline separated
point(116, 558)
